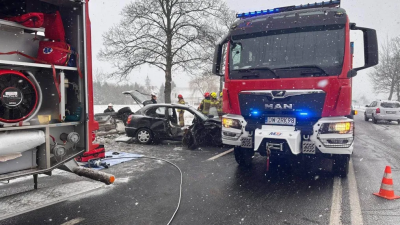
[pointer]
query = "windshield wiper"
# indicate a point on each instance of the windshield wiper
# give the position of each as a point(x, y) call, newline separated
point(255, 69)
point(302, 67)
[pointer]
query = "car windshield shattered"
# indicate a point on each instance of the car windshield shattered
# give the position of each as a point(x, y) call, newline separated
point(199, 112)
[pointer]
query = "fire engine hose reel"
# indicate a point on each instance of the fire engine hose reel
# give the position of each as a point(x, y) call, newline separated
point(21, 96)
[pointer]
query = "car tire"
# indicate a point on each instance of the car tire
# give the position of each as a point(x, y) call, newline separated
point(243, 156)
point(366, 117)
point(374, 120)
point(144, 136)
point(398, 122)
point(341, 165)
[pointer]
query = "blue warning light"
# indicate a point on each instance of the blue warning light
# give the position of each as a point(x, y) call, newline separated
point(330, 3)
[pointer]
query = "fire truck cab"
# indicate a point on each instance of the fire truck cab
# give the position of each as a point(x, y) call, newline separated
point(288, 75)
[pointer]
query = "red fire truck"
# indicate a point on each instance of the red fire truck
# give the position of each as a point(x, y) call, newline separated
point(46, 102)
point(288, 75)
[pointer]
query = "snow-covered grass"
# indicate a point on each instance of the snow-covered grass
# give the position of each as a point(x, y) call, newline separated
point(359, 107)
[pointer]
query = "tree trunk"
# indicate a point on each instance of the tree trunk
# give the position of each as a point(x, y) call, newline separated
point(398, 91)
point(168, 86)
point(392, 86)
point(168, 59)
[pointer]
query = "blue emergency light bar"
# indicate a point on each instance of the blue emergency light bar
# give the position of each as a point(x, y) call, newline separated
point(289, 8)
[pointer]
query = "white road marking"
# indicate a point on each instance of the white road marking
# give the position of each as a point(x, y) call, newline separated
point(222, 154)
point(355, 208)
point(336, 207)
point(74, 221)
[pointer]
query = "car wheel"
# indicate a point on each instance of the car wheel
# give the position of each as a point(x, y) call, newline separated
point(398, 122)
point(366, 117)
point(243, 156)
point(341, 165)
point(144, 136)
point(374, 120)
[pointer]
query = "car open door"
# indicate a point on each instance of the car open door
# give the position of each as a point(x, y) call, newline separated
point(174, 130)
point(140, 98)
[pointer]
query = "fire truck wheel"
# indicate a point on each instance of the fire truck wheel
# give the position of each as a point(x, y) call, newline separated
point(243, 156)
point(144, 136)
point(341, 165)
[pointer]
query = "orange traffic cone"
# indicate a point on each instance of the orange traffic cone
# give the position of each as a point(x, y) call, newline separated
point(386, 190)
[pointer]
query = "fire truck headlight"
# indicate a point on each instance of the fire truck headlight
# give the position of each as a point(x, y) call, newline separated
point(337, 142)
point(231, 123)
point(337, 128)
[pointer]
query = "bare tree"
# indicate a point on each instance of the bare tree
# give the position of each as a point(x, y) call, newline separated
point(167, 34)
point(202, 80)
point(386, 75)
point(204, 83)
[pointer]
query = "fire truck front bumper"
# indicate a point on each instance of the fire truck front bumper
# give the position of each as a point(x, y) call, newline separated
point(290, 139)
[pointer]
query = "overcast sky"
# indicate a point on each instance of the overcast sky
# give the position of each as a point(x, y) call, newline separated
point(382, 15)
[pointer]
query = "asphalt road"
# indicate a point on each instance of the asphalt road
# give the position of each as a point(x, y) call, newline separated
point(219, 192)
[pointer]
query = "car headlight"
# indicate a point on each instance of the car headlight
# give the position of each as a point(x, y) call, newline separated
point(231, 123)
point(337, 128)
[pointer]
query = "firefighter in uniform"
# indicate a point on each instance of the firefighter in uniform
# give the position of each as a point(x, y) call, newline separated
point(181, 111)
point(205, 104)
point(214, 101)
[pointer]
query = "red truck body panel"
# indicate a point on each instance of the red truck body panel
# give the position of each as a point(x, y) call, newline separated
point(337, 88)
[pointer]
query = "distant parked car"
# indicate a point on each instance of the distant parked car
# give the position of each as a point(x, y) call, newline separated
point(383, 110)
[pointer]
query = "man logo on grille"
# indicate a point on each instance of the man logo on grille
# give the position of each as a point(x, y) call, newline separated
point(47, 50)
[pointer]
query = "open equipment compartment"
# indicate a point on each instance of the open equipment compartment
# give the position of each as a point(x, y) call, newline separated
point(68, 126)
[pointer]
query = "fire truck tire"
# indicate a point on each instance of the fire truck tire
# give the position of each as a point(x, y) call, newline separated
point(243, 156)
point(341, 165)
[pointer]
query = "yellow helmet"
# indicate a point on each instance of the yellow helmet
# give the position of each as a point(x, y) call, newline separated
point(220, 94)
point(214, 95)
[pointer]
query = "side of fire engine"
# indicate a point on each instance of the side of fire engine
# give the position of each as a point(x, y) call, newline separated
point(288, 75)
point(46, 102)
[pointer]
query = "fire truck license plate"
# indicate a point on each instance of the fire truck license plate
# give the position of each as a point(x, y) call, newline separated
point(281, 120)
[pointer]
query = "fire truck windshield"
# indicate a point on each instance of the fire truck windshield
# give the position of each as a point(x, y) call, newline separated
point(305, 51)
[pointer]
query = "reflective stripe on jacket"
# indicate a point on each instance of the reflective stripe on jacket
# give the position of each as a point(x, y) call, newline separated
point(205, 106)
point(182, 102)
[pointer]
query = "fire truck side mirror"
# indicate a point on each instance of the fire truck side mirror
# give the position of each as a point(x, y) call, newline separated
point(217, 68)
point(371, 54)
point(217, 60)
